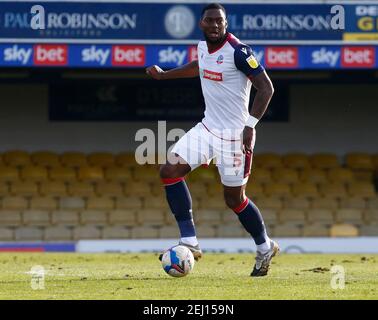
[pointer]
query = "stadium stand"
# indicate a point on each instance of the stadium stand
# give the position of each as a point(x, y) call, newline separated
point(71, 196)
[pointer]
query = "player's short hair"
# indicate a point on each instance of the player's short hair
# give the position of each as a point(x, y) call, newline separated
point(213, 6)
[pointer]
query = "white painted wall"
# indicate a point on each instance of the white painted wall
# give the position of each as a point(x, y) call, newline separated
point(336, 119)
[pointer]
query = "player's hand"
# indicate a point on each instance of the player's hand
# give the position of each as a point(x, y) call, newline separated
point(249, 138)
point(155, 72)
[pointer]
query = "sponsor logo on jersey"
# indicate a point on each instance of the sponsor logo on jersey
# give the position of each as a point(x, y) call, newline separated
point(17, 55)
point(357, 57)
point(220, 59)
point(211, 75)
point(252, 62)
point(128, 56)
point(281, 57)
point(171, 55)
point(50, 55)
point(95, 54)
point(325, 56)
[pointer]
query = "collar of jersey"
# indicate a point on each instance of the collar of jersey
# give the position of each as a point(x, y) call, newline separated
point(221, 44)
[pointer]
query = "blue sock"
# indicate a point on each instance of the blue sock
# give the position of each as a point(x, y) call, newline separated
point(180, 202)
point(252, 221)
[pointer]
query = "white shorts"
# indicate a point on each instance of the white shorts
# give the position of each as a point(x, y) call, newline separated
point(199, 146)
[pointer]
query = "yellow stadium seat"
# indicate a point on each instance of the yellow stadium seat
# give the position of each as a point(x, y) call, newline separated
point(205, 231)
point(100, 203)
point(65, 217)
point(168, 232)
point(6, 234)
point(34, 173)
point(113, 189)
point(36, 217)
point(101, 159)
point(157, 202)
point(305, 189)
point(320, 215)
point(357, 160)
point(58, 233)
point(213, 203)
point(268, 202)
point(4, 189)
point(372, 203)
point(14, 203)
point(24, 188)
point(128, 203)
point(287, 230)
point(270, 215)
point(17, 158)
point(28, 234)
point(157, 189)
point(119, 174)
point(147, 232)
point(362, 189)
point(87, 232)
point(154, 217)
point(45, 159)
point(297, 203)
point(278, 190)
point(81, 189)
point(315, 230)
point(43, 203)
point(313, 176)
point(71, 203)
point(10, 218)
point(9, 174)
point(125, 217)
point(53, 189)
point(325, 203)
point(94, 217)
point(341, 175)
point(353, 202)
point(268, 160)
point(296, 161)
point(203, 175)
point(344, 230)
point(369, 230)
point(146, 173)
point(261, 175)
point(126, 159)
point(324, 161)
point(213, 189)
point(73, 159)
point(197, 189)
point(91, 174)
point(363, 175)
point(208, 216)
point(292, 215)
point(116, 232)
point(65, 174)
point(228, 217)
point(285, 175)
point(137, 189)
point(335, 190)
point(230, 231)
point(254, 189)
point(371, 215)
point(349, 215)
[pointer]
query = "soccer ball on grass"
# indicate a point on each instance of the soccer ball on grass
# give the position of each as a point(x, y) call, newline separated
point(178, 261)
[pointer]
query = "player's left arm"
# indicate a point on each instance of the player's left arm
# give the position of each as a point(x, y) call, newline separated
point(246, 62)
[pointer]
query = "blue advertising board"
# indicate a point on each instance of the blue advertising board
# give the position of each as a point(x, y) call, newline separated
point(129, 22)
point(170, 56)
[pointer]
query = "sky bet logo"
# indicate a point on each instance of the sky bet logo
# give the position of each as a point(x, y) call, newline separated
point(16, 55)
point(324, 56)
point(95, 55)
point(50, 55)
point(172, 56)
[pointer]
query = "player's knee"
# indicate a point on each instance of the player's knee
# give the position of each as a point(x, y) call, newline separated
point(168, 171)
point(233, 201)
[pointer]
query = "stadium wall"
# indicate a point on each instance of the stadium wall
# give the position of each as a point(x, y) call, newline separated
point(329, 118)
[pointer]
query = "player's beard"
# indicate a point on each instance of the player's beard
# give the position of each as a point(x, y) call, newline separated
point(217, 41)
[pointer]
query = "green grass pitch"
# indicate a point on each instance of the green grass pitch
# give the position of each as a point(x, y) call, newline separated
point(216, 276)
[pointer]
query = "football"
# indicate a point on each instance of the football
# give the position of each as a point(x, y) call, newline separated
point(178, 261)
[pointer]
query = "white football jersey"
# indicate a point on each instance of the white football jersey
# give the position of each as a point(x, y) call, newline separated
point(225, 79)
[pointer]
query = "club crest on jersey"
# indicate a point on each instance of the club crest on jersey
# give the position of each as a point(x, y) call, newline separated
point(252, 62)
point(220, 59)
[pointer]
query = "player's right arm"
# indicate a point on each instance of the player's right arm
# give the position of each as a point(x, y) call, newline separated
point(189, 70)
